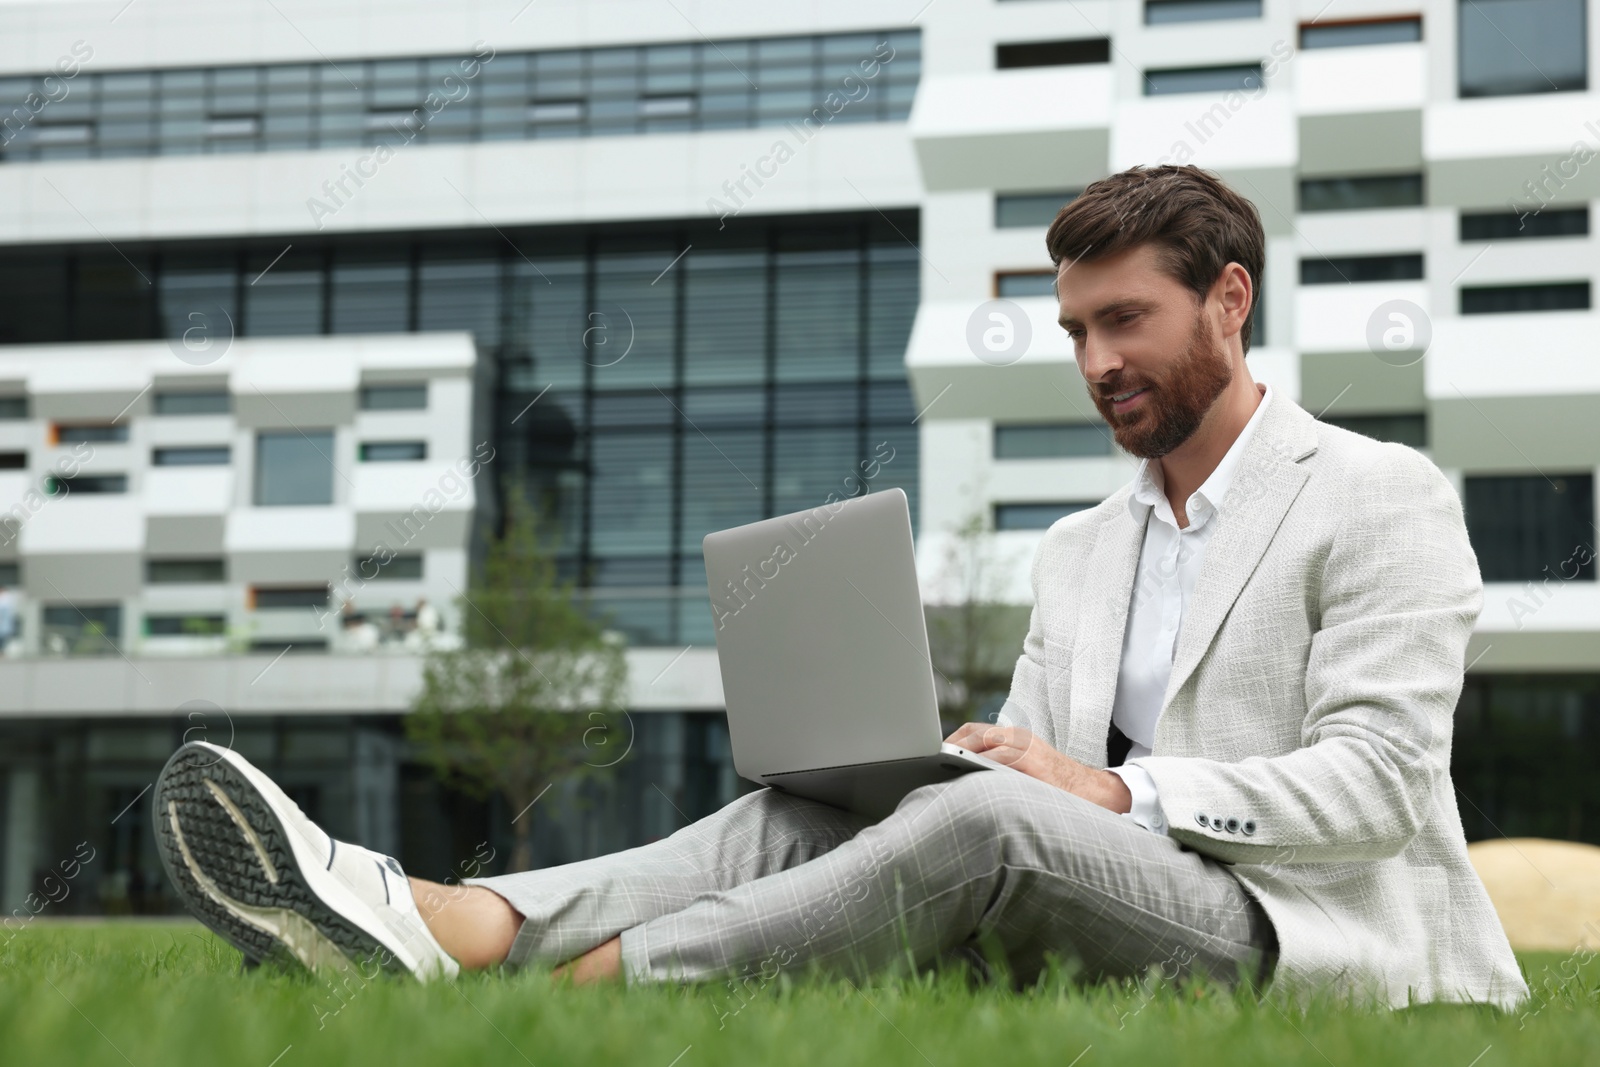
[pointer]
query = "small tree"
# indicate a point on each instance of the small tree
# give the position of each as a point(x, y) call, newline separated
point(975, 638)
point(535, 690)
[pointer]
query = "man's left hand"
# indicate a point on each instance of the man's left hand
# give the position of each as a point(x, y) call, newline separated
point(1021, 749)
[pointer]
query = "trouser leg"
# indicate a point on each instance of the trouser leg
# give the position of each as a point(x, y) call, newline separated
point(572, 908)
point(987, 855)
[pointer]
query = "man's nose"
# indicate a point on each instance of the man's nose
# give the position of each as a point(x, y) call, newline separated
point(1099, 360)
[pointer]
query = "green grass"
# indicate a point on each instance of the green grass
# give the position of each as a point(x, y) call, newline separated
point(153, 995)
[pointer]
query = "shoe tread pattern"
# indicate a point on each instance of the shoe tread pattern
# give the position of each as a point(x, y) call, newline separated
point(229, 860)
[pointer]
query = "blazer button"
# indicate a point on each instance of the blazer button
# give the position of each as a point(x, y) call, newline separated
point(1200, 817)
point(1249, 826)
point(1233, 826)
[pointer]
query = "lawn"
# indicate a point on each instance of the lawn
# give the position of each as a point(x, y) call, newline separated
point(152, 995)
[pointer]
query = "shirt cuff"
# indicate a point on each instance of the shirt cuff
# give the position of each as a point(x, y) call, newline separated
point(1146, 810)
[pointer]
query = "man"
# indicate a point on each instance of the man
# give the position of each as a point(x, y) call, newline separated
point(8, 618)
point(1285, 811)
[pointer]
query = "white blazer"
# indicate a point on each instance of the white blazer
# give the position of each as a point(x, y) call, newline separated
point(1304, 736)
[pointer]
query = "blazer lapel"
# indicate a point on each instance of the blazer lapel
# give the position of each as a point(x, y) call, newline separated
point(1269, 478)
point(1105, 593)
point(1250, 516)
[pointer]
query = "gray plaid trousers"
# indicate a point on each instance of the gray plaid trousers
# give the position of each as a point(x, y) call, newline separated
point(774, 881)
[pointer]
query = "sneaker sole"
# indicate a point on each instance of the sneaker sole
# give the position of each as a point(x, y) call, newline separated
point(239, 869)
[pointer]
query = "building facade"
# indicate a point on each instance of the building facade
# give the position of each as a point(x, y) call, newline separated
point(295, 293)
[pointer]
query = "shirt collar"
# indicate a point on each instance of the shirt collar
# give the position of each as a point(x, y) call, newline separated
point(1149, 483)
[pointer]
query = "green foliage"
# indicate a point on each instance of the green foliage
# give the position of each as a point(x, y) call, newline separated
point(537, 690)
point(976, 640)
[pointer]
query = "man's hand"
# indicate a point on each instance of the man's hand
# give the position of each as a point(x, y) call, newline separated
point(1020, 749)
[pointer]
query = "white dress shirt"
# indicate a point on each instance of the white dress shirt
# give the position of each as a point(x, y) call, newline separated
point(1169, 564)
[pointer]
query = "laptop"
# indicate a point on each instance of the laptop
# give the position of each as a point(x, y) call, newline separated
point(823, 649)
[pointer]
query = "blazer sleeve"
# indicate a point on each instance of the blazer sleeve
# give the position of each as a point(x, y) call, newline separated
point(1400, 594)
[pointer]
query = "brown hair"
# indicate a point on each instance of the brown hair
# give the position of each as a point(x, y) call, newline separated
point(1198, 224)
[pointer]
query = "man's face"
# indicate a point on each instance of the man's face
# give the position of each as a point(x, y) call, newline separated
point(1134, 327)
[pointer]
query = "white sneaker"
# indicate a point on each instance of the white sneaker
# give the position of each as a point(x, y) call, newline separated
point(249, 864)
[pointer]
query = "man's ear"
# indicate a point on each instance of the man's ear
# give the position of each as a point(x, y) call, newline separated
point(1233, 291)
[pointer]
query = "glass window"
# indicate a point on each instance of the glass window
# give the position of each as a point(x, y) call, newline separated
point(283, 294)
point(667, 105)
point(893, 284)
point(91, 433)
point(573, 92)
point(632, 325)
point(619, 410)
point(394, 397)
point(13, 407)
point(13, 461)
point(565, 68)
point(1501, 299)
point(725, 317)
point(80, 629)
point(1034, 516)
point(809, 405)
point(37, 289)
point(1530, 527)
point(1351, 269)
point(376, 568)
point(294, 468)
point(1052, 53)
point(1521, 46)
point(185, 571)
point(371, 297)
point(115, 298)
point(86, 483)
point(1050, 440)
point(555, 112)
point(215, 402)
point(1405, 429)
point(1158, 12)
point(742, 408)
point(721, 482)
point(1029, 209)
point(55, 134)
point(1507, 225)
point(1361, 193)
point(1238, 77)
point(192, 456)
point(550, 314)
point(460, 290)
point(1357, 32)
point(288, 596)
point(1524, 748)
point(233, 127)
point(1011, 284)
point(382, 126)
point(199, 301)
point(817, 307)
point(631, 494)
point(393, 451)
point(809, 465)
point(189, 625)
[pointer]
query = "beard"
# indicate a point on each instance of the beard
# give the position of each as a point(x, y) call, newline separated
point(1175, 404)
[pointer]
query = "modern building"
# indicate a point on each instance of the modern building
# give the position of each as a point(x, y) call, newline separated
point(277, 276)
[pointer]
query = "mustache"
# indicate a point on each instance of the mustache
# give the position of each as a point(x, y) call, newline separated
point(1107, 394)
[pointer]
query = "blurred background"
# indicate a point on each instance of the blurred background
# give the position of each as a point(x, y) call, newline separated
point(292, 296)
